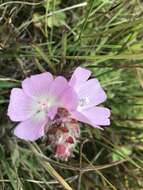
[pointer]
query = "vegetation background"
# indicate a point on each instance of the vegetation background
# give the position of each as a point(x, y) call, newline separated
point(105, 36)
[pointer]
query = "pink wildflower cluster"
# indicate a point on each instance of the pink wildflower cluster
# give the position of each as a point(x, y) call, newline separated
point(52, 106)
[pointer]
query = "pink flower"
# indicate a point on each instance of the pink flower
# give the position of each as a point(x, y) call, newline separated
point(52, 106)
point(90, 94)
point(36, 106)
point(37, 102)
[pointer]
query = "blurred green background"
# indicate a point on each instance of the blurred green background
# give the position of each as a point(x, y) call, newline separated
point(105, 36)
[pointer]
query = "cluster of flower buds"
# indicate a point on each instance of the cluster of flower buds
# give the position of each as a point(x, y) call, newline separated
point(63, 134)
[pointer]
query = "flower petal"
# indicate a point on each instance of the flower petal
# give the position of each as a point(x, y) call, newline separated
point(98, 115)
point(58, 86)
point(20, 106)
point(69, 99)
point(79, 76)
point(92, 92)
point(30, 130)
point(82, 118)
point(37, 85)
point(63, 93)
point(52, 112)
point(95, 116)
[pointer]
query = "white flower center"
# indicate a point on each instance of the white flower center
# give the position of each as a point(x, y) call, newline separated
point(83, 102)
point(43, 105)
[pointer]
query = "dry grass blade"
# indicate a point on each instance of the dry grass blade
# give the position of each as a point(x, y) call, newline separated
point(52, 171)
